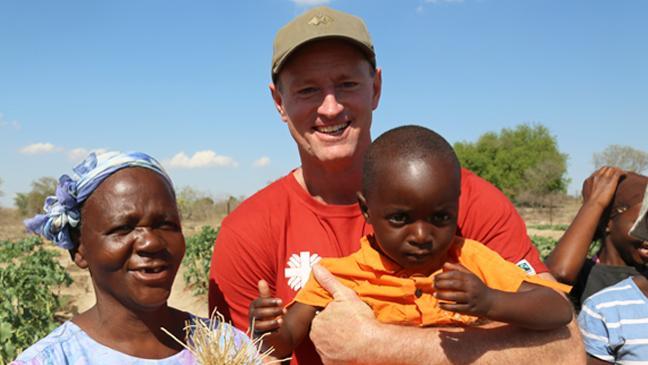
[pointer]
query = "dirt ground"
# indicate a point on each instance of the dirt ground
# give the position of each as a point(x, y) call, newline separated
point(80, 295)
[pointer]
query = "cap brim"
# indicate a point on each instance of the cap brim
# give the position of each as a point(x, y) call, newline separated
point(368, 52)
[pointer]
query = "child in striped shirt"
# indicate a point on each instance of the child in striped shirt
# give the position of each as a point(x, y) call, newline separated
point(613, 321)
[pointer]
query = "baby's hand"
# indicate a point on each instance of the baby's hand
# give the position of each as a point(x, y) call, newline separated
point(265, 312)
point(599, 188)
point(462, 290)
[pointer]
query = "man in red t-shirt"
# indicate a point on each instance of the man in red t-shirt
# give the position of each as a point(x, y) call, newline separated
point(325, 88)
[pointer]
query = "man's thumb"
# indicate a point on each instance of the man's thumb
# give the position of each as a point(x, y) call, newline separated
point(264, 289)
point(331, 285)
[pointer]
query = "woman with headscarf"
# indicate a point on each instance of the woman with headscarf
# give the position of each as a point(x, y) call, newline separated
point(117, 216)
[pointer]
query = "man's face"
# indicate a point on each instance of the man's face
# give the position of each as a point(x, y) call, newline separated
point(326, 93)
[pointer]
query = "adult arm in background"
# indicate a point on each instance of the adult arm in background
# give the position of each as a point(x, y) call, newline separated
point(567, 258)
point(346, 331)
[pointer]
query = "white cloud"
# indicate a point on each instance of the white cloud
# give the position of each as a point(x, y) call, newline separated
point(40, 148)
point(207, 158)
point(310, 2)
point(262, 162)
point(78, 154)
point(5, 123)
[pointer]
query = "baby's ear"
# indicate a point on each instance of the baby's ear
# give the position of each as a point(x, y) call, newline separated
point(363, 204)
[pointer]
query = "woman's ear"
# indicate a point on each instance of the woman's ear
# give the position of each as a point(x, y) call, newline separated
point(363, 205)
point(79, 259)
point(78, 254)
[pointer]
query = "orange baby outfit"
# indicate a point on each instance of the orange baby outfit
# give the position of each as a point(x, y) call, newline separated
point(405, 296)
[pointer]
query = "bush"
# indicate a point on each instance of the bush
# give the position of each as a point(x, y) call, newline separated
point(29, 275)
point(523, 162)
point(544, 244)
point(625, 157)
point(197, 259)
point(32, 202)
point(549, 227)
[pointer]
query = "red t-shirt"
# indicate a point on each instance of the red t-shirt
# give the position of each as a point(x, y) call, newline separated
point(281, 231)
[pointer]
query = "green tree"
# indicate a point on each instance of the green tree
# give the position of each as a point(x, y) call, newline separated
point(1, 192)
point(32, 202)
point(194, 204)
point(197, 259)
point(522, 162)
point(625, 157)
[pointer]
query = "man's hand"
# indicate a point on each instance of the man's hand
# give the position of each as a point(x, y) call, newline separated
point(462, 291)
point(265, 312)
point(342, 331)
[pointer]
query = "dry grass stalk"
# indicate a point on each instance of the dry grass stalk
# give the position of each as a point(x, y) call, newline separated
point(215, 343)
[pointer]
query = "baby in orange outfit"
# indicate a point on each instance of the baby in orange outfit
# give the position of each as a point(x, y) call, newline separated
point(414, 270)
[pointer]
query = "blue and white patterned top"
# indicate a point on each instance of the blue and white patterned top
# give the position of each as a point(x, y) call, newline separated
point(70, 345)
point(614, 324)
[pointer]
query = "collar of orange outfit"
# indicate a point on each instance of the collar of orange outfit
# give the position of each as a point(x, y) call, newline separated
point(372, 259)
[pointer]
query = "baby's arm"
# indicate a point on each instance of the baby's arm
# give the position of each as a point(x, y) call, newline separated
point(286, 328)
point(567, 258)
point(532, 306)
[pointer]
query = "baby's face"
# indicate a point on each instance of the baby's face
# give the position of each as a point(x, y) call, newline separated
point(633, 251)
point(413, 207)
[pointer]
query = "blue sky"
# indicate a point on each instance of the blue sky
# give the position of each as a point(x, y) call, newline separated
point(187, 81)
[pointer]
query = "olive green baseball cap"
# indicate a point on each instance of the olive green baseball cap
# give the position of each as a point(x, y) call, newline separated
point(319, 23)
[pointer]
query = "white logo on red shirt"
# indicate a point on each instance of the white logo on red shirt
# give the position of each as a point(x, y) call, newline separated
point(526, 266)
point(299, 268)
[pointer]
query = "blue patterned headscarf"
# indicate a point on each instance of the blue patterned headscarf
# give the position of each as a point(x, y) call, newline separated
point(61, 211)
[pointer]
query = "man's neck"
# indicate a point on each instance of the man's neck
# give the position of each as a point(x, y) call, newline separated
point(331, 183)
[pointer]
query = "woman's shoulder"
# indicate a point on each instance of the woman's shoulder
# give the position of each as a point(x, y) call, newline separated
point(69, 344)
point(55, 346)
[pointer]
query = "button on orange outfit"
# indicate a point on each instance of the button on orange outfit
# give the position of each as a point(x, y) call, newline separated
point(405, 296)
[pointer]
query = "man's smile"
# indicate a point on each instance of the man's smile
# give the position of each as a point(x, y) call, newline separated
point(335, 129)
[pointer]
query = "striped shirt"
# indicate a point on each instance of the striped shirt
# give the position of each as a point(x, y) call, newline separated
point(614, 324)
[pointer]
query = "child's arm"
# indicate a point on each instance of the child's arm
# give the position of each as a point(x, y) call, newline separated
point(567, 258)
point(286, 328)
point(532, 306)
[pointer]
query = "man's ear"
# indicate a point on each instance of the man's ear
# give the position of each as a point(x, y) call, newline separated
point(363, 205)
point(377, 88)
point(278, 101)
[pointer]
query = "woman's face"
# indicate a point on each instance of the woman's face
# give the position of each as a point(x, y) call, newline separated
point(131, 239)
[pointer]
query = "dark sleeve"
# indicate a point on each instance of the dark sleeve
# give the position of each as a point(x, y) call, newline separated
point(576, 294)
